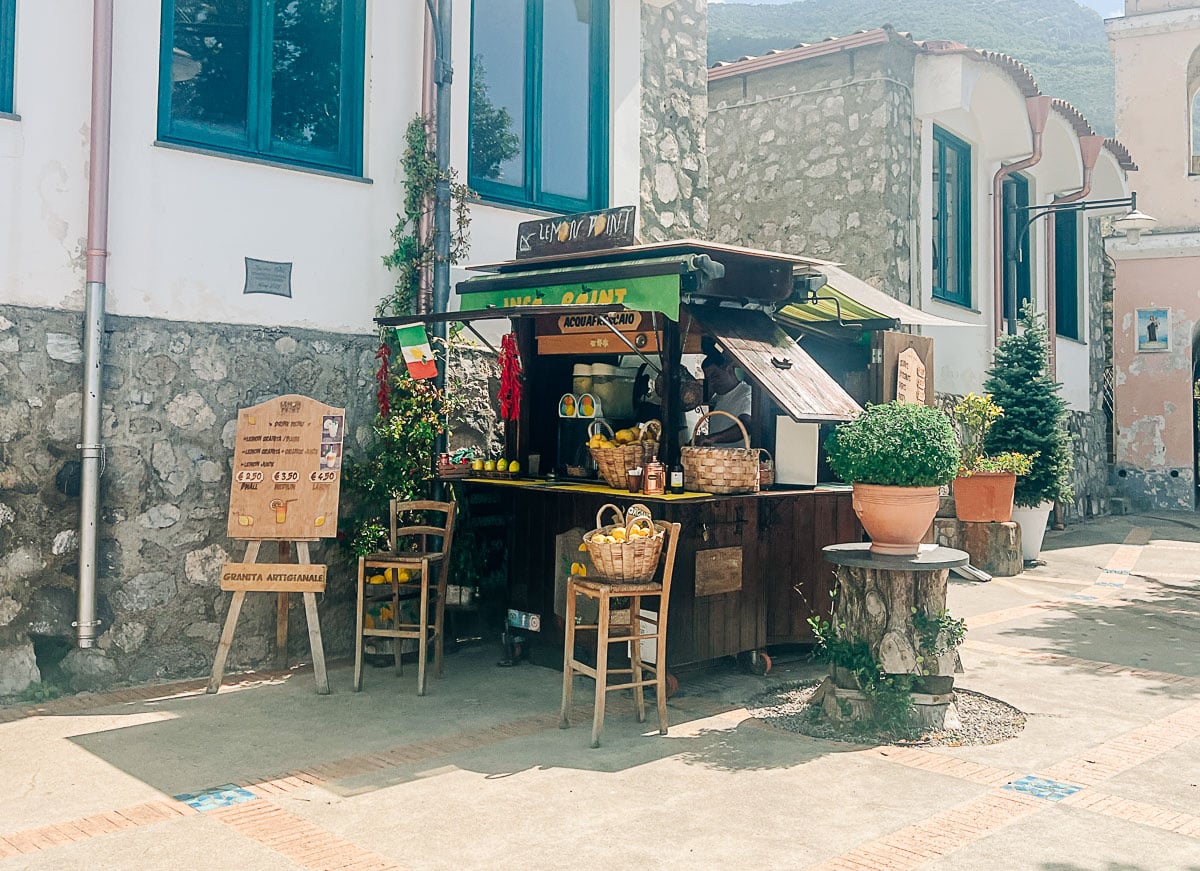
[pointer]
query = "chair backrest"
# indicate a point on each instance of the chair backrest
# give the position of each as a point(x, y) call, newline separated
point(401, 526)
point(668, 566)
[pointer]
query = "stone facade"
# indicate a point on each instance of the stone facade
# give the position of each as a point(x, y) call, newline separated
point(820, 158)
point(675, 174)
point(171, 395)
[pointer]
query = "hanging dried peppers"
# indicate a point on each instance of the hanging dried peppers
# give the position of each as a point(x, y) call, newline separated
point(510, 378)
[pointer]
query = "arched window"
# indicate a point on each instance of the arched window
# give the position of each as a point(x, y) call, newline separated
point(1193, 109)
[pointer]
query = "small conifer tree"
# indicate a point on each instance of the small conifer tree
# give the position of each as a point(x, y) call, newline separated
point(1034, 420)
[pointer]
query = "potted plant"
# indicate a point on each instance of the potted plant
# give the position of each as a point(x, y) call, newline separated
point(983, 490)
point(1034, 424)
point(896, 455)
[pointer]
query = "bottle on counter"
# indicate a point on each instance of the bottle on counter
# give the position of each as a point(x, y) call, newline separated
point(676, 478)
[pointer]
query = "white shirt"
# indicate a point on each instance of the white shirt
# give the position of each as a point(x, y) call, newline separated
point(735, 402)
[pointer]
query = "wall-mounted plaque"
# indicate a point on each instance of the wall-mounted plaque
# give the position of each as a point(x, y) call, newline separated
point(287, 470)
point(910, 377)
point(587, 231)
point(718, 570)
point(267, 276)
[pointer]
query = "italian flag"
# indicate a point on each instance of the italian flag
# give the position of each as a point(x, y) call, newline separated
point(418, 356)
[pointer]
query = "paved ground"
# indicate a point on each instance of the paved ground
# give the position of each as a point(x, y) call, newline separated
point(1101, 647)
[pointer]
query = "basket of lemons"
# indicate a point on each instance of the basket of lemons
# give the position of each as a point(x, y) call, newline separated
point(627, 550)
point(618, 452)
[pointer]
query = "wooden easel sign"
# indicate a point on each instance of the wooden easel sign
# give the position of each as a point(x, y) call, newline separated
point(287, 469)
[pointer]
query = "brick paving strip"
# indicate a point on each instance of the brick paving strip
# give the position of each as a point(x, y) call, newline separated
point(296, 838)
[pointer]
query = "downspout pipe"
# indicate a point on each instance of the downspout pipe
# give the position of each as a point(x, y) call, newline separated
point(1038, 109)
point(424, 301)
point(443, 77)
point(1089, 152)
point(92, 450)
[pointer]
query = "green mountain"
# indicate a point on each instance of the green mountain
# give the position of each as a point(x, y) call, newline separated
point(1062, 43)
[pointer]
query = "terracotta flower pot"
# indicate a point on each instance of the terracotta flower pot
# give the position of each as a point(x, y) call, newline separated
point(896, 518)
point(985, 497)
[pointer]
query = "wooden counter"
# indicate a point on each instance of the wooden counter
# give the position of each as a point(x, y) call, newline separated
point(779, 533)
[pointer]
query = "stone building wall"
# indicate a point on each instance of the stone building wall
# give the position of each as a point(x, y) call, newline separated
point(171, 395)
point(675, 174)
point(1089, 430)
point(821, 158)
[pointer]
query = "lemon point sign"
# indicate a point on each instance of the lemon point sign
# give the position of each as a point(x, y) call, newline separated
point(287, 470)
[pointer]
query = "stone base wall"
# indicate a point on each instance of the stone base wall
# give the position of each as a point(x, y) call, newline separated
point(1154, 489)
point(170, 401)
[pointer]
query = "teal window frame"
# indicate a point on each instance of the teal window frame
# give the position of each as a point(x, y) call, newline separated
point(8, 53)
point(1020, 185)
point(1066, 274)
point(258, 142)
point(948, 145)
point(530, 193)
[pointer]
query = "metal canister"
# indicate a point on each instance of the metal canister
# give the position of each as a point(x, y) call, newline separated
point(654, 481)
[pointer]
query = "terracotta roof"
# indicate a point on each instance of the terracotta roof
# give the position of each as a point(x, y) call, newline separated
point(1017, 71)
point(1121, 153)
point(1074, 117)
point(805, 51)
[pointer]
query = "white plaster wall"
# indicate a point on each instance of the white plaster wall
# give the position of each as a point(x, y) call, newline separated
point(182, 222)
point(982, 107)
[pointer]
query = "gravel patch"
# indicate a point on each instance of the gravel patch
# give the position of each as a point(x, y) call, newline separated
point(984, 720)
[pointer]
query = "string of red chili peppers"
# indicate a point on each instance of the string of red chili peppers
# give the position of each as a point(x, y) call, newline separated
point(510, 378)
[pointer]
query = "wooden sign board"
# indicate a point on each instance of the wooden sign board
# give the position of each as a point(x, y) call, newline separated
point(273, 577)
point(718, 570)
point(570, 234)
point(287, 470)
point(910, 377)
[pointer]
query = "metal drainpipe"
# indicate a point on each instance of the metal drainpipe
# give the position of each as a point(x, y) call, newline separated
point(1038, 109)
point(444, 75)
point(97, 253)
point(1089, 153)
point(424, 299)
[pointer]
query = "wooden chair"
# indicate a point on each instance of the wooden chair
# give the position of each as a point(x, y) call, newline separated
point(422, 559)
point(604, 592)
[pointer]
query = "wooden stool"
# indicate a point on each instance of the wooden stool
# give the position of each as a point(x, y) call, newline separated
point(425, 560)
point(604, 592)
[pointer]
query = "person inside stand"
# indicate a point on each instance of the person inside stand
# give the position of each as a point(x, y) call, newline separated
point(725, 393)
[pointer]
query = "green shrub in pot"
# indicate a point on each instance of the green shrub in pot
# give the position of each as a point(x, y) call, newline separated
point(897, 444)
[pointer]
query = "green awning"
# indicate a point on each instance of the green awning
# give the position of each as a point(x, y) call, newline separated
point(850, 300)
point(652, 284)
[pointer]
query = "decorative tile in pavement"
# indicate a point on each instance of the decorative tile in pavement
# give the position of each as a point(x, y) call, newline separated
point(1082, 598)
point(1041, 787)
point(1109, 584)
point(216, 798)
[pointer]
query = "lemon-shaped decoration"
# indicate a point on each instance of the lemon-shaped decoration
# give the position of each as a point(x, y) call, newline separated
point(502, 465)
point(514, 467)
point(489, 465)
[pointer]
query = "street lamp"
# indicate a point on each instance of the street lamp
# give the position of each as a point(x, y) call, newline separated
point(1132, 223)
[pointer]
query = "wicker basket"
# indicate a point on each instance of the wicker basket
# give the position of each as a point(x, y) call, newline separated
point(615, 463)
point(634, 559)
point(720, 470)
point(766, 469)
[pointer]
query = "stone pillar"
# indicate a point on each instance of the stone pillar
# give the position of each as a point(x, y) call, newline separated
point(994, 547)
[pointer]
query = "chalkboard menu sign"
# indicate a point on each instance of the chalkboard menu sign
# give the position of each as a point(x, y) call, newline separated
point(570, 234)
point(287, 469)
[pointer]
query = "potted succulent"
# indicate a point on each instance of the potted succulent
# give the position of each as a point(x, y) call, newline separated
point(1034, 424)
point(896, 455)
point(983, 490)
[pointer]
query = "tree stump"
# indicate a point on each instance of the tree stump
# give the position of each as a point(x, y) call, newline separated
point(874, 604)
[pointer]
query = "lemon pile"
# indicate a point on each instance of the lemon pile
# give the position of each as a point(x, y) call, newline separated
point(621, 437)
point(619, 535)
point(401, 576)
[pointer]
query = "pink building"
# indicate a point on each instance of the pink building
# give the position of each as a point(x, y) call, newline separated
point(1156, 306)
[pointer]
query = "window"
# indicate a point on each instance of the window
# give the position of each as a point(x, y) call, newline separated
point(8, 52)
point(1066, 274)
point(277, 79)
point(951, 218)
point(539, 102)
point(1015, 193)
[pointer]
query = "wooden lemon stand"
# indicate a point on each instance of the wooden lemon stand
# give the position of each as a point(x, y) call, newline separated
point(286, 474)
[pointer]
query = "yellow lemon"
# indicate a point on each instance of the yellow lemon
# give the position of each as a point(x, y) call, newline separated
point(501, 465)
point(489, 465)
point(377, 579)
point(320, 521)
point(514, 467)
